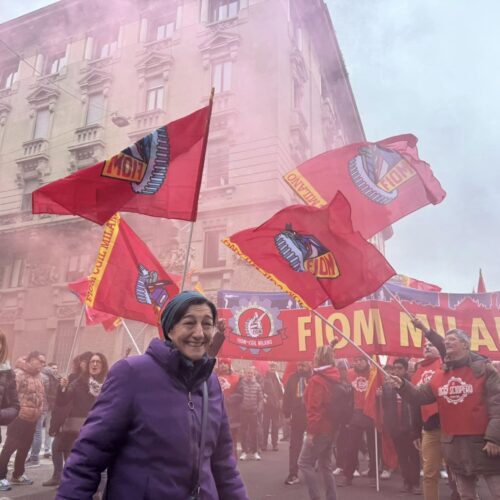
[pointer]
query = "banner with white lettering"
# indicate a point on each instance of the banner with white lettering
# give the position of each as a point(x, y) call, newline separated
point(271, 326)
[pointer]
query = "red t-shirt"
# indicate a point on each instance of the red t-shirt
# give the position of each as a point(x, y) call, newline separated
point(359, 382)
point(461, 403)
point(424, 374)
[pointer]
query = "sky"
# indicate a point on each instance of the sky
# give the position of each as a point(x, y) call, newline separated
point(430, 68)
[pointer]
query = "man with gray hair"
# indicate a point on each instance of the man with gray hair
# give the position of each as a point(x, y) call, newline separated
point(467, 392)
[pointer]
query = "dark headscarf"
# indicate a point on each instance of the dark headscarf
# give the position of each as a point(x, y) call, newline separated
point(184, 298)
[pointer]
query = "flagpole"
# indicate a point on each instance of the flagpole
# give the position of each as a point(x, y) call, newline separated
point(186, 261)
point(205, 142)
point(377, 479)
point(131, 337)
point(363, 353)
point(73, 347)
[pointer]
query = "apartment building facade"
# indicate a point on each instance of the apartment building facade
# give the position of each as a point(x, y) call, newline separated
point(82, 79)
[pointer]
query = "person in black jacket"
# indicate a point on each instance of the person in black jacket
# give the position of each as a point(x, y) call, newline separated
point(77, 397)
point(273, 395)
point(9, 402)
point(398, 416)
point(294, 410)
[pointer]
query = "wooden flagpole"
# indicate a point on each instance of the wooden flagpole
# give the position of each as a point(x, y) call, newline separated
point(131, 337)
point(398, 300)
point(73, 347)
point(363, 353)
point(186, 261)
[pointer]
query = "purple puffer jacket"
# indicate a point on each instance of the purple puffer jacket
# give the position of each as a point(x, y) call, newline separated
point(142, 430)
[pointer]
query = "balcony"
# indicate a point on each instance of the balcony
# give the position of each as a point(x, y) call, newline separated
point(34, 164)
point(35, 147)
point(146, 122)
point(224, 114)
point(89, 147)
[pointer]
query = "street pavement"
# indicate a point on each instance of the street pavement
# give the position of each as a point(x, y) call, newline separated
point(264, 480)
point(36, 491)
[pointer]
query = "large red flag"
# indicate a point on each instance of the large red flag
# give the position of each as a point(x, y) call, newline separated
point(93, 317)
point(383, 181)
point(401, 279)
point(314, 254)
point(159, 175)
point(481, 287)
point(127, 279)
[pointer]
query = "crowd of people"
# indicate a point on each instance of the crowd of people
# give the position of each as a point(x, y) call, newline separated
point(431, 419)
point(43, 411)
point(175, 409)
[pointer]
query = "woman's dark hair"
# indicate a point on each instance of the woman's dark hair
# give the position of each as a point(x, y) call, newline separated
point(33, 355)
point(182, 309)
point(401, 361)
point(4, 351)
point(85, 356)
point(104, 366)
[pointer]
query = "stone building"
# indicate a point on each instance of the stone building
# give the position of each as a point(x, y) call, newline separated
point(81, 79)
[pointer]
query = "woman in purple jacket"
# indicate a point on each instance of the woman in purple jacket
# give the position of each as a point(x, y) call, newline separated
point(145, 426)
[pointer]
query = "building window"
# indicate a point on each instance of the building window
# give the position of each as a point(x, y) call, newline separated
point(15, 280)
point(29, 186)
point(64, 340)
point(95, 109)
point(105, 44)
point(217, 171)
point(213, 255)
point(8, 76)
point(161, 29)
point(221, 76)
point(154, 93)
point(78, 266)
point(3, 275)
point(26, 202)
point(223, 9)
point(55, 63)
point(42, 120)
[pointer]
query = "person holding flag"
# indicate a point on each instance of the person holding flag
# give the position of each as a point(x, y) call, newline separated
point(359, 376)
point(159, 426)
point(320, 430)
point(467, 393)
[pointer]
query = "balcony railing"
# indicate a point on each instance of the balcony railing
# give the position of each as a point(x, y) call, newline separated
point(35, 147)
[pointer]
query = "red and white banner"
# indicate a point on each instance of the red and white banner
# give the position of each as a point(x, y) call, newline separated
point(271, 326)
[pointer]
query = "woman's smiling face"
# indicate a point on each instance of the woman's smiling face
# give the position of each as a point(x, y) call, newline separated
point(193, 333)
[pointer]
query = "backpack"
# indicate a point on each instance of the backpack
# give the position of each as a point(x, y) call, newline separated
point(341, 405)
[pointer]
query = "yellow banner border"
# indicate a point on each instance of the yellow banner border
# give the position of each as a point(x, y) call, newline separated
point(310, 189)
point(271, 277)
point(111, 230)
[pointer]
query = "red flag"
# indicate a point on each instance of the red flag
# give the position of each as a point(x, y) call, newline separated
point(159, 175)
point(127, 279)
point(481, 287)
point(314, 254)
point(401, 279)
point(383, 181)
point(93, 317)
point(372, 407)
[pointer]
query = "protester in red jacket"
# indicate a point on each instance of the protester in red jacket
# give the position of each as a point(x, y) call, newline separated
point(318, 445)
